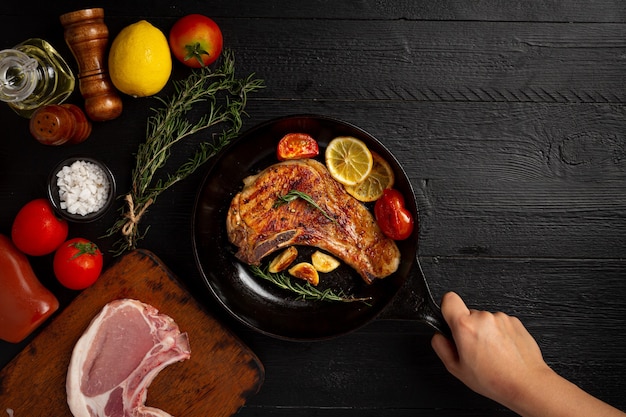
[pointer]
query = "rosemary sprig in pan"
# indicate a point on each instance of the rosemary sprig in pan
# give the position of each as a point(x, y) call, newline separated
point(224, 98)
point(295, 194)
point(304, 290)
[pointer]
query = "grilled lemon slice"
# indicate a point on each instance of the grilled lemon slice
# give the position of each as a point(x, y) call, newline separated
point(371, 188)
point(348, 160)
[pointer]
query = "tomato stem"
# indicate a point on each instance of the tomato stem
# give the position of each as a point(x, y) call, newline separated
point(195, 51)
point(84, 248)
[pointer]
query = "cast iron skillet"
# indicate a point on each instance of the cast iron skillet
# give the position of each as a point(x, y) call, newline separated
point(260, 304)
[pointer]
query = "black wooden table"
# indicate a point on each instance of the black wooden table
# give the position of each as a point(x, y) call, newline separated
point(510, 119)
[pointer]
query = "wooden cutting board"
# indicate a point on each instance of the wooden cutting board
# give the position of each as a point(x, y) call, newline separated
point(216, 381)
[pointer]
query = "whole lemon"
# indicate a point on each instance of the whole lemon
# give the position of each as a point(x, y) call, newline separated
point(140, 63)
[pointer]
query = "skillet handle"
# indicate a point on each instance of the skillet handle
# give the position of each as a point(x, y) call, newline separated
point(428, 311)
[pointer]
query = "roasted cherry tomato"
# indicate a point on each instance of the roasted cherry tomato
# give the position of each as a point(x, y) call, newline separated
point(24, 302)
point(394, 219)
point(297, 146)
point(196, 40)
point(77, 263)
point(37, 230)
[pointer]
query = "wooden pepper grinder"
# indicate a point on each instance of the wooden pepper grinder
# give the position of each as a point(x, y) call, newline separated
point(87, 37)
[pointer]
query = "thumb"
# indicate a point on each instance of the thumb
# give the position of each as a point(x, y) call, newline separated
point(453, 306)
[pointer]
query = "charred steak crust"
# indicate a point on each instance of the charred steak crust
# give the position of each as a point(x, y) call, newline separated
point(258, 228)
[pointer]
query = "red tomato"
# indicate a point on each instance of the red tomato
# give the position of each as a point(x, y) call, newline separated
point(77, 263)
point(394, 219)
point(297, 146)
point(196, 40)
point(37, 230)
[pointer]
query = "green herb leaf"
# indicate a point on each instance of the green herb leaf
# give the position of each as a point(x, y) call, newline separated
point(304, 290)
point(295, 194)
point(224, 97)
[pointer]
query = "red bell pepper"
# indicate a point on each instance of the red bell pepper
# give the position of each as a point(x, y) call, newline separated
point(24, 302)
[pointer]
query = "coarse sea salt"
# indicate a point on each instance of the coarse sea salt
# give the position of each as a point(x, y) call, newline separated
point(83, 187)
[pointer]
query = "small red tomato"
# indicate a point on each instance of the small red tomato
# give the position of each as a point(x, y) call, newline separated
point(196, 40)
point(77, 263)
point(36, 229)
point(395, 221)
point(297, 146)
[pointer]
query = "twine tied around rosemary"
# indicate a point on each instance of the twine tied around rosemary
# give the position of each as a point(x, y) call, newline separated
point(132, 217)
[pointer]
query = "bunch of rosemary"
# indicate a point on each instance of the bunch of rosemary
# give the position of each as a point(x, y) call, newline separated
point(225, 98)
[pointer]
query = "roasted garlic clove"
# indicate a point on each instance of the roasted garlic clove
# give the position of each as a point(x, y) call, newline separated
point(324, 262)
point(283, 260)
point(305, 271)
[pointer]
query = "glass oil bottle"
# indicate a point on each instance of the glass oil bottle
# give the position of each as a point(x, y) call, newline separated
point(32, 75)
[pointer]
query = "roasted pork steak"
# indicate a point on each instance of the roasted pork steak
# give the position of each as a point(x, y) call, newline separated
point(126, 345)
point(350, 232)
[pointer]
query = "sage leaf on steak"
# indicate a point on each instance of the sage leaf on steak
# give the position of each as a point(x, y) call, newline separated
point(220, 98)
point(294, 195)
point(304, 290)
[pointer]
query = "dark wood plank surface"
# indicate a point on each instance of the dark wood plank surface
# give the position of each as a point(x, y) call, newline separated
point(510, 119)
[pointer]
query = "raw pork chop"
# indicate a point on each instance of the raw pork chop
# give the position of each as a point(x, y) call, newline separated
point(258, 228)
point(126, 345)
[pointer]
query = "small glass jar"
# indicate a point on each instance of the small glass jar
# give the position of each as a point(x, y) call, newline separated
point(33, 74)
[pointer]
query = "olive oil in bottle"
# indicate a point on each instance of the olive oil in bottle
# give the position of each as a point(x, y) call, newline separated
point(32, 75)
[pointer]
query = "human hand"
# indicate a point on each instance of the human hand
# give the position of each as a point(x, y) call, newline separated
point(492, 353)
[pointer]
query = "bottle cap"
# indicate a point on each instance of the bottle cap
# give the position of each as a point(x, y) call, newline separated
point(52, 124)
point(18, 75)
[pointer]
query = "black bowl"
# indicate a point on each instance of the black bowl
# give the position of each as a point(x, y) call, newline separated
point(55, 200)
